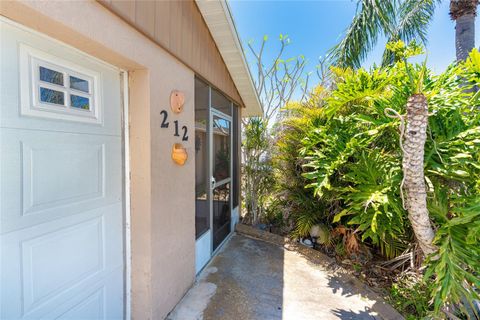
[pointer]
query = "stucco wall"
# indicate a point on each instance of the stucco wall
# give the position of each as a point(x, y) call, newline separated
point(162, 193)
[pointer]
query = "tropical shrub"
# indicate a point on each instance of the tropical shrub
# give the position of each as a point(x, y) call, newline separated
point(299, 208)
point(339, 162)
point(256, 169)
point(410, 296)
point(276, 81)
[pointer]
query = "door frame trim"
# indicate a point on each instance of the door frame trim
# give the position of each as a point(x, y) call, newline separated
point(127, 212)
point(215, 112)
point(220, 114)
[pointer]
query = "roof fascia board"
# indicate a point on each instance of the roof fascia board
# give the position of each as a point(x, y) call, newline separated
point(218, 17)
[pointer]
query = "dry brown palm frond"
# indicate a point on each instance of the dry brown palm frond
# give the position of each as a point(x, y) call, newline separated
point(351, 243)
point(459, 8)
point(340, 230)
point(410, 259)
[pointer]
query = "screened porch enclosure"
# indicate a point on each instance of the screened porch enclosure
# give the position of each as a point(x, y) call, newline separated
point(216, 177)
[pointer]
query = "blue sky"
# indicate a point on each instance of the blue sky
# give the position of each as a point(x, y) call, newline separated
point(315, 26)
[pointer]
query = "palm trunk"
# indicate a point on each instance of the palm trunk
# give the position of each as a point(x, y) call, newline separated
point(463, 12)
point(414, 179)
point(464, 36)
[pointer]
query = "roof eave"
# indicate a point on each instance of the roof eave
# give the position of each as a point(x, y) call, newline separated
point(218, 18)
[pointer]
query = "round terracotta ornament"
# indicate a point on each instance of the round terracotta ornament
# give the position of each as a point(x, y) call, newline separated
point(179, 154)
point(177, 100)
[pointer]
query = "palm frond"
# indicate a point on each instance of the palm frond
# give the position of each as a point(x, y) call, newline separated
point(411, 23)
point(373, 17)
point(397, 20)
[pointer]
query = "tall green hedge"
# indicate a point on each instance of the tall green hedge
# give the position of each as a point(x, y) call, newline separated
point(338, 162)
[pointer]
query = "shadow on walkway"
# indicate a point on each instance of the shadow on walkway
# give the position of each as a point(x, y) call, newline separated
point(252, 279)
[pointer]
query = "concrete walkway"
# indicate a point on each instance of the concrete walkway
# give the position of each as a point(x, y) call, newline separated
point(252, 279)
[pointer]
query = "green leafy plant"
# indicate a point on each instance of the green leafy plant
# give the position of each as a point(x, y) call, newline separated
point(257, 172)
point(338, 161)
point(301, 209)
point(410, 295)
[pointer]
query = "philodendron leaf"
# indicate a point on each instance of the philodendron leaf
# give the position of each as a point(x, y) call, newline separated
point(339, 215)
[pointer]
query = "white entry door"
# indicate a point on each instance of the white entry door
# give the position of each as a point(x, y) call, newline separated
point(61, 210)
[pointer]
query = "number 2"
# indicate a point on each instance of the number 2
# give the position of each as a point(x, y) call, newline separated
point(185, 137)
point(164, 121)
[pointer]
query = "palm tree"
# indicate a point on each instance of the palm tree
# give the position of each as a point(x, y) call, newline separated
point(397, 20)
point(463, 12)
point(400, 20)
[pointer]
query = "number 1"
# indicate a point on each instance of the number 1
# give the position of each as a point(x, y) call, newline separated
point(176, 128)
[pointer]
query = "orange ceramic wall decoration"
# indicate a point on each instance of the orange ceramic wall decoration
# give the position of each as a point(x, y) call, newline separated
point(177, 100)
point(179, 154)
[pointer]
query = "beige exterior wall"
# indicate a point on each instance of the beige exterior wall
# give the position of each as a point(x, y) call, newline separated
point(162, 193)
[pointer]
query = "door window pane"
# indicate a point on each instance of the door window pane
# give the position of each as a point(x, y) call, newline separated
point(52, 96)
point(80, 102)
point(221, 214)
point(78, 84)
point(221, 103)
point(221, 148)
point(51, 76)
point(202, 181)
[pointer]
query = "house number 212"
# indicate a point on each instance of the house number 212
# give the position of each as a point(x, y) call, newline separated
point(165, 124)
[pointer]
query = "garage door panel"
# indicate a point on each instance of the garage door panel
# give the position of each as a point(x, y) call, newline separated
point(40, 258)
point(89, 308)
point(55, 174)
point(57, 261)
point(91, 302)
point(16, 75)
point(61, 174)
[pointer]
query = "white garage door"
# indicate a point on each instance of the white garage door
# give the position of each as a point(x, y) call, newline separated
point(61, 192)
